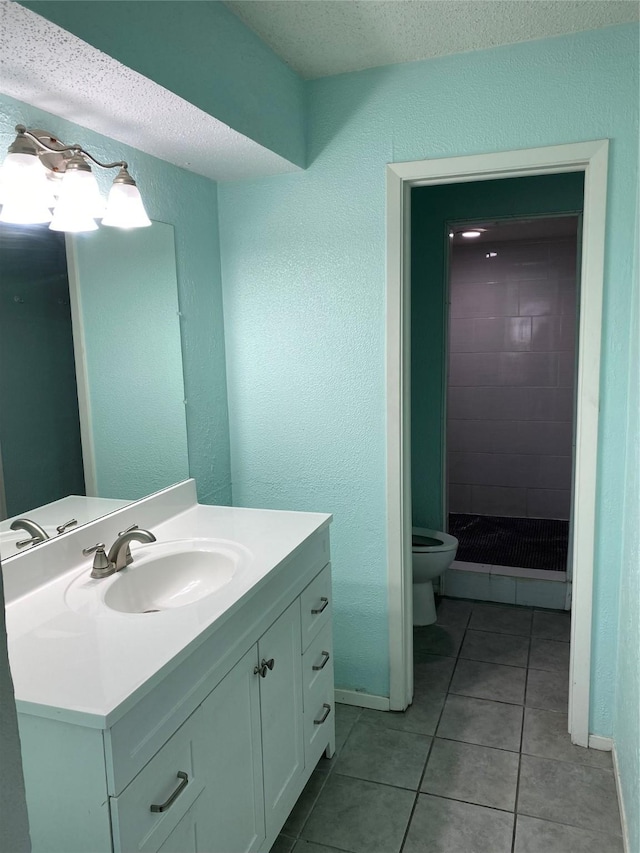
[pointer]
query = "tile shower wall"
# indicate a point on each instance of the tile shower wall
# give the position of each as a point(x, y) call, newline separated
point(511, 378)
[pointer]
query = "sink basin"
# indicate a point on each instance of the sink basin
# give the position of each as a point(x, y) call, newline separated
point(163, 576)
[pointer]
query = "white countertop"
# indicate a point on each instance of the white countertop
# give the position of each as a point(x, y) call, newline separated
point(88, 665)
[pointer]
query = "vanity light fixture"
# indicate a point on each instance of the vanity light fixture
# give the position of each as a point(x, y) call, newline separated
point(41, 174)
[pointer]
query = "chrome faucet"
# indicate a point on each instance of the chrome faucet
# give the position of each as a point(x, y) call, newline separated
point(37, 533)
point(119, 553)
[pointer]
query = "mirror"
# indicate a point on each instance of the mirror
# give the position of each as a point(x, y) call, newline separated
point(92, 409)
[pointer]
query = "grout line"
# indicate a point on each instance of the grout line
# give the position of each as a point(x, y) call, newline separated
point(502, 633)
point(417, 795)
point(435, 729)
point(484, 698)
point(524, 712)
point(584, 828)
point(315, 801)
point(563, 671)
point(479, 745)
point(497, 663)
point(467, 803)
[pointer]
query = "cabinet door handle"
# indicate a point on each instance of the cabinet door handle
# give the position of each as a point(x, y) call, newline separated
point(325, 602)
point(322, 665)
point(265, 666)
point(184, 781)
point(327, 711)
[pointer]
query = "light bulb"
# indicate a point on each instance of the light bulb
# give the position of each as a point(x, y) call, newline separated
point(471, 234)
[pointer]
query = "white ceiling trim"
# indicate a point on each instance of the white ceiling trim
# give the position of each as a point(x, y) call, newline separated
point(319, 38)
point(49, 68)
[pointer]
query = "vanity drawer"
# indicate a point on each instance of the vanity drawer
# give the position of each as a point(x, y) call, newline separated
point(317, 661)
point(315, 604)
point(172, 771)
point(319, 718)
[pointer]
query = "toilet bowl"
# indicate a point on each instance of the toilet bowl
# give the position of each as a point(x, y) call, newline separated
point(433, 553)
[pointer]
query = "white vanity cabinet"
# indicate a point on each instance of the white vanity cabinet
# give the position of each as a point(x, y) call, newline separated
point(221, 746)
point(281, 715)
point(232, 752)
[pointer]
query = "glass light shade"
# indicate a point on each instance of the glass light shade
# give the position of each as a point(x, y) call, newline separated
point(67, 218)
point(125, 208)
point(25, 192)
point(79, 191)
point(22, 214)
point(21, 167)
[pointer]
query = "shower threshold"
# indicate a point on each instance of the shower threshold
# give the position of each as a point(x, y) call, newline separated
point(508, 571)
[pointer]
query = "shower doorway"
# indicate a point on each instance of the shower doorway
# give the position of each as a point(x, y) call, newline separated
point(513, 291)
point(589, 159)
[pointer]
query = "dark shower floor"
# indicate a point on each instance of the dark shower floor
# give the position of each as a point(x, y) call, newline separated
point(526, 543)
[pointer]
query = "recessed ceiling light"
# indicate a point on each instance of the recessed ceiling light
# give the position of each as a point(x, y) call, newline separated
point(470, 234)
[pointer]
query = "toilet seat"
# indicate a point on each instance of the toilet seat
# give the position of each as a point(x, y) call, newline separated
point(444, 542)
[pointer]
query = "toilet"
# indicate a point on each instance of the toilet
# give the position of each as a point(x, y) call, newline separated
point(433, 552)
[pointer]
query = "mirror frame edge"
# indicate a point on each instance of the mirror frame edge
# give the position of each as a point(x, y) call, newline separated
point(82, 378)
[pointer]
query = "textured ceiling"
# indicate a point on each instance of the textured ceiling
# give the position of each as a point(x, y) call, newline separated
point(318, 38)
point(49, 68)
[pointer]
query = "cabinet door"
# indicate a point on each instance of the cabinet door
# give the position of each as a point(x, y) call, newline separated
point(282, 722)
point(184, 838)
point(232, 756)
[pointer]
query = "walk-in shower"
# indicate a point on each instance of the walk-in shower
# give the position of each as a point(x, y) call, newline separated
point(510, 410)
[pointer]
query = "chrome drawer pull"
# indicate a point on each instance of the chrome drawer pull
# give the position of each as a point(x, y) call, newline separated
point(168, 803)
point(324, 662)
point(327, 711)
point(325, 602)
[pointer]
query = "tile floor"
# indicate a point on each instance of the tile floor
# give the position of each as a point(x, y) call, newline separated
point(480, 763)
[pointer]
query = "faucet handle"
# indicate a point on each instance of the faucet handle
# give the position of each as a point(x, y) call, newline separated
point(24, 542)
point(71, 523)
point(102, 566)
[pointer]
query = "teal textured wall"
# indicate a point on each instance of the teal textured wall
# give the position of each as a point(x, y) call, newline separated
point(431, 209)
point(627, 701)
point(189, 203)
point(202, 52)
point(303, 260)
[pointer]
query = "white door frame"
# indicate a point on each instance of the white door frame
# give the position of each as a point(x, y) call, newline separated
point(590, 158)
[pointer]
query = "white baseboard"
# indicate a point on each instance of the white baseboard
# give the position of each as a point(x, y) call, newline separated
point(605, 744)
point(363, 700)
point(623, 816)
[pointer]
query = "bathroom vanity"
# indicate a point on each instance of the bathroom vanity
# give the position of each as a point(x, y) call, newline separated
point(173, 718)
